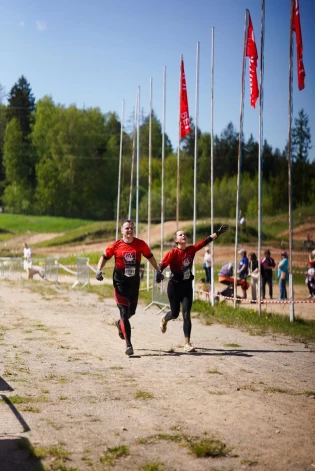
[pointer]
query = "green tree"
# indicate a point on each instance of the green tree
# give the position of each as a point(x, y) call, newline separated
point(74, 151)
point(250, 156)
point(188, 144)
point(156, 136)
point(21, 105)
point(226, 152)
point(301, 138)
point(301, 169)
point(3, 123)
point(18, 194)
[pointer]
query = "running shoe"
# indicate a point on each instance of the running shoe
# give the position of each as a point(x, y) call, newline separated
point(189, 348)
point(120, 332)
point(163, 325)
point(129, 350)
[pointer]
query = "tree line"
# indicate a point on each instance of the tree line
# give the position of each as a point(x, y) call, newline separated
point(64, 161)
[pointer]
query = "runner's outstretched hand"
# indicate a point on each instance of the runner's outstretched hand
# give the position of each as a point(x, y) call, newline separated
point(222, 229)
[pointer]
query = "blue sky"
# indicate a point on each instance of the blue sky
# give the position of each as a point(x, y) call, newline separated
point(97, 52)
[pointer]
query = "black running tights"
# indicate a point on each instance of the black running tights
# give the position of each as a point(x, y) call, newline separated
point(180, 292)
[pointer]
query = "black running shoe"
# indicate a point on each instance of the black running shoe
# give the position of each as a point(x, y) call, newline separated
point(129, 350)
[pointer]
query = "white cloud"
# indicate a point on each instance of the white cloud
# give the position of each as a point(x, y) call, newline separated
point(22, 24)
point(41, 25)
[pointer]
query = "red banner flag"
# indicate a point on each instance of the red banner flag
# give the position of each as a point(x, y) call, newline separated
point(184, 112)
point(251, 52)
point(296, 27)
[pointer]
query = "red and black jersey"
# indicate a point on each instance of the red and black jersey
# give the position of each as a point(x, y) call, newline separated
point(127, 255)
point(180, 261)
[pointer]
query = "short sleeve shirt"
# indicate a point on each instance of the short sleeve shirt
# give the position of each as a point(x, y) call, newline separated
point(27, 253)
point(128, 255)
point(243, 262)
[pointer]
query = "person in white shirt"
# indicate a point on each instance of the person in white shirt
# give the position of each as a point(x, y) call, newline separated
point(27, 253)
point(207, 263)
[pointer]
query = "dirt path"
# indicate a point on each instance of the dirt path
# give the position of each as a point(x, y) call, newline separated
point(80, 396)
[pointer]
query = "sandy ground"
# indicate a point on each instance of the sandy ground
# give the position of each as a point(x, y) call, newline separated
point(67, 387)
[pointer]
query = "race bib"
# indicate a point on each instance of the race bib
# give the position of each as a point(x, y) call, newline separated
point(130, 271)
point(186, 274)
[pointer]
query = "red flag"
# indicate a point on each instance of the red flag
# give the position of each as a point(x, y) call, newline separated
point(251, 52)
point(296, 27)
point(184, 112)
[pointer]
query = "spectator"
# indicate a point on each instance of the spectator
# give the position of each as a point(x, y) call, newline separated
point(253, 271)
point(242, 219)
point(243, 270)
point(283, 275)
point(27, 254)
point(311, 257)
point(226, 270)
point(207, 263)
point(310, 279)
point(267, 264)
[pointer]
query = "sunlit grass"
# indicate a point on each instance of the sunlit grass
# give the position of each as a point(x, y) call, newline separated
point(208, 447)
point(301, 330)
point(113, 454)
point(143, 395)
point(20, 223)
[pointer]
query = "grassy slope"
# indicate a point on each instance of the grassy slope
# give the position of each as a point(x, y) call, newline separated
point(73, 231)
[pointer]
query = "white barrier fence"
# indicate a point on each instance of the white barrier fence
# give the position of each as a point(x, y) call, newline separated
point(11, 267)
point(83, 272)
point(159, 292)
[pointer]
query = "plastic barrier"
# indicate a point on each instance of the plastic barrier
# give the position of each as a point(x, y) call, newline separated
point(83, 272)
point(51, 268)
point(159, 292)
point(11, 267)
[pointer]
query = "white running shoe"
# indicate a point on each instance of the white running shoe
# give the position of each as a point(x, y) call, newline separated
point(189, 348)
point(163, 325)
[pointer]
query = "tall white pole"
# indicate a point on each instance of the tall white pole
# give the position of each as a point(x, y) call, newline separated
point(119, 168)
point(132, 158)
point(290, 110)
point(163, 163)
point(239, 165)
point(196, 152)
point(211, 167)
point(260, 148)
point(138, 164)
point(178, 148)
point(149, 183)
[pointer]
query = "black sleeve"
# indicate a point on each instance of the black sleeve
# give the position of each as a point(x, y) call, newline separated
point(209, 239)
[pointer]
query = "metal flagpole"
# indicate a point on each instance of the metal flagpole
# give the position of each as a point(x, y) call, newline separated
point(119, 169)
point(211, 177)
point(260, 148)
point(196, 153)
point(163, 163)
point(291, 298)
point(239, 164)
point(138, 164)
point(149, 183)
point(178, 148)
point(132, 159)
